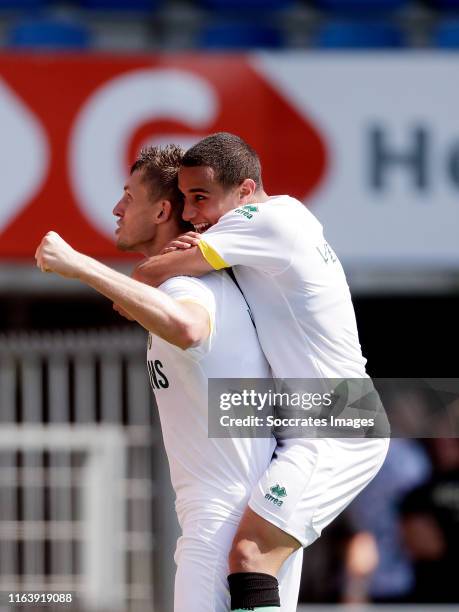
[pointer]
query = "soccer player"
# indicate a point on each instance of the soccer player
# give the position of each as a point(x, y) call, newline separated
point(199, 328)
point(300, 300)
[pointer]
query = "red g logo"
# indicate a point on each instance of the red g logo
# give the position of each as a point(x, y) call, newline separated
point(182, 103)
point(95, 128)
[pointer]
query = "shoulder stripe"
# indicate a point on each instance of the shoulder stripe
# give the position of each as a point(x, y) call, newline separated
point(211, 256)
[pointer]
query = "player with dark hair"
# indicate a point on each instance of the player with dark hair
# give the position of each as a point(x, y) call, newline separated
point(232, 159)
point(197, 330)
point(300, 300)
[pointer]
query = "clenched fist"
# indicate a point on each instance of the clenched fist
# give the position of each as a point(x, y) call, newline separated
point(55, 255)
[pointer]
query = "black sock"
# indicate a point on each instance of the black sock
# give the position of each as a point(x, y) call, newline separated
point(253, 590)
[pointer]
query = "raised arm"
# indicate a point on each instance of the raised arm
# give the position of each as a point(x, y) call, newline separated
point(180, 323)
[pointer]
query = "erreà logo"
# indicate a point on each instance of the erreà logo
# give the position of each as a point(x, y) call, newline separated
point(247, 210)
point(276, 492)
point(250, 208)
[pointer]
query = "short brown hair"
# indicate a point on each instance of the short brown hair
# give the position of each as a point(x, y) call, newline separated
point(231, 158)
point(159, 167)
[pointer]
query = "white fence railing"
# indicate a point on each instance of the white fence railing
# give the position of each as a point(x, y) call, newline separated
point(76, 467)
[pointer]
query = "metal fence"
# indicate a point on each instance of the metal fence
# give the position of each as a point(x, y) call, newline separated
point(76, 462)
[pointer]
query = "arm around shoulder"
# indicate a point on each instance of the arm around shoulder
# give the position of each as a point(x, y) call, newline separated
point(156, 270)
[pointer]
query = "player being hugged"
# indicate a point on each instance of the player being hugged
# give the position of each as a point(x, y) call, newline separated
point(196, 330)
point(298, 294)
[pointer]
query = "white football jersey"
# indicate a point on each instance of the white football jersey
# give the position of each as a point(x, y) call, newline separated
point(211, 477)
point(295, 286)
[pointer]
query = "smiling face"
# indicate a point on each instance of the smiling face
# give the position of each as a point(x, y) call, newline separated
point(136, 215)
point(206, 200)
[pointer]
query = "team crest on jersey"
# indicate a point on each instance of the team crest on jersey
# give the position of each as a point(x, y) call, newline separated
point(276, 493)
point(247, 210)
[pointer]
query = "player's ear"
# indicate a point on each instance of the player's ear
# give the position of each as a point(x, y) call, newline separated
point(247, 190)
point(163, 212)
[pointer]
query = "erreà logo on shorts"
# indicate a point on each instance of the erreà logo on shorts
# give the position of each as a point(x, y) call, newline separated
point(247, 210)
point(276, 492)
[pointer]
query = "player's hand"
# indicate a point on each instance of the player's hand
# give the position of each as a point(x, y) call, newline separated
point(185, 241)
point(122, 312)
point(55, 255)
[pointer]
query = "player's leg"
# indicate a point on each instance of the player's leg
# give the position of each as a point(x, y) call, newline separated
point(285, 562)
point(260, 546)
point(264, 539)
point(315, 480)
point(258, 552)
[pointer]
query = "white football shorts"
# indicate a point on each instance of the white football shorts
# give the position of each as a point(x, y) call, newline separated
point(310, 481)
point(202, 568)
